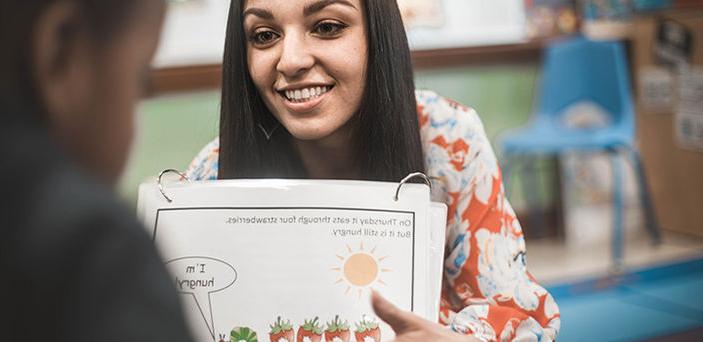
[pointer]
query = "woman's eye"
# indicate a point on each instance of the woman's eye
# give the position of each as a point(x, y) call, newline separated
point(263, 37)
point(329, 28)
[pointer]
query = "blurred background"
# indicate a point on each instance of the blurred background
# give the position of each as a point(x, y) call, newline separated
point(595, 109)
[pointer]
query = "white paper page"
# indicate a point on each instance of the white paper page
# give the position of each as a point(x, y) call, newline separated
point(438, 224)
point(688, 121)
point(245, 252)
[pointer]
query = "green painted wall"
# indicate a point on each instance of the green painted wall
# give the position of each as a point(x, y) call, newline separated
point(173, 128)
point(171, 131)
point(502, 95)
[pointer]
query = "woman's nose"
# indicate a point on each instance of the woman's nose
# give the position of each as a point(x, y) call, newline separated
point(296, 56)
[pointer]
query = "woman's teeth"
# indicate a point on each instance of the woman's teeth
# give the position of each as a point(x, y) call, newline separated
point(306, 94)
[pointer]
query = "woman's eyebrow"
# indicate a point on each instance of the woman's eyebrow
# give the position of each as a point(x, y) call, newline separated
point(319, 5)
point(259, 12)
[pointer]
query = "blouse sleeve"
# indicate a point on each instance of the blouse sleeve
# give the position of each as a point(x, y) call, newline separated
point(487, 290)
point(204, 166)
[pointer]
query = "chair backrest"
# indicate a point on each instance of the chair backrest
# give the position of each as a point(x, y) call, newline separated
point(578, 69)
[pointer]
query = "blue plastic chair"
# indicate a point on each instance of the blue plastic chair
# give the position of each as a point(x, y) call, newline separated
point(577, 70)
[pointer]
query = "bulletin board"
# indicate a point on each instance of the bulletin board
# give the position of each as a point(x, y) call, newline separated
point(441, 24)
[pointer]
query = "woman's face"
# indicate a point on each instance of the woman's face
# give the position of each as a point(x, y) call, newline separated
point(308, 61)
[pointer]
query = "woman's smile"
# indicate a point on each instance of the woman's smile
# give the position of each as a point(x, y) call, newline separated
point(304, 98)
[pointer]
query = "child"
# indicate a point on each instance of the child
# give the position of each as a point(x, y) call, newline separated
point(75, 264)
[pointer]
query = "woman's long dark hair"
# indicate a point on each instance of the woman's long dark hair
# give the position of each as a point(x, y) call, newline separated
point(386, 138)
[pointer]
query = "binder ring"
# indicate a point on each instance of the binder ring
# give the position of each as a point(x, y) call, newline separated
point(161, 186)
point(408, 178)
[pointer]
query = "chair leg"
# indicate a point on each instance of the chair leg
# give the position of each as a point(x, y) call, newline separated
point(617, 241)
point(532, 196)
point(649, 214)
point(508, 163)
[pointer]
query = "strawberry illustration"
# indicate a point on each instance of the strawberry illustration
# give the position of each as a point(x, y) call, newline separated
point(337, 331)
point(281, 331)
point(367, 330)
point(243, 334)
point(310, 331)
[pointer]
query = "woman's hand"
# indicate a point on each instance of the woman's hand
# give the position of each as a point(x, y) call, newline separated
point(409, 328)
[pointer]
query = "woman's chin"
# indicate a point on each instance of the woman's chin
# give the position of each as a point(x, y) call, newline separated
point(318, 129)
point(306, 135)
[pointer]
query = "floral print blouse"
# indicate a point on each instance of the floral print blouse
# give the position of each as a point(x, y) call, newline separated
point(487, 290)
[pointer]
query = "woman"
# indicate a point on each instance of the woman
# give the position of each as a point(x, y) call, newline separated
point(76, 265)
point(324, 89)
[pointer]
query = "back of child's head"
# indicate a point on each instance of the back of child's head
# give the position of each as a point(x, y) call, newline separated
point(74, 69)
point(102, 18)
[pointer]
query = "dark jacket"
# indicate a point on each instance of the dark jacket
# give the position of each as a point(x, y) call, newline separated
point(75, 265)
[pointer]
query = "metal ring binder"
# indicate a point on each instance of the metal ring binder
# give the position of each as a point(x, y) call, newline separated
point(409, 177)
point(161, 188)
point(395, 198)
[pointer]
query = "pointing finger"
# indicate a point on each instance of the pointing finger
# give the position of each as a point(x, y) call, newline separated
point(401, 321)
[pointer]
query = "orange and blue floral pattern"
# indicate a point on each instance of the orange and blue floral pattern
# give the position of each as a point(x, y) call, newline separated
point(487, 290)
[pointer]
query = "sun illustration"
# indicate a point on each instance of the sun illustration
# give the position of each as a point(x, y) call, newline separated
point(360, 269)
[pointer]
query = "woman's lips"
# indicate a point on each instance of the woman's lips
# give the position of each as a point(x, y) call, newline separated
point(306, 106)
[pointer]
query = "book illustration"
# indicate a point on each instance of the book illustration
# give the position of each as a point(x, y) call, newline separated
point(310, 331)
point(337, 331)
point(199, 277)
point(243, 334)
point(282, 331)
point(367, 330)
point(221, 261)
point(360, 270)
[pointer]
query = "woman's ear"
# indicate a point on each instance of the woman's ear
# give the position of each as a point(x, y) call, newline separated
point(61, 62)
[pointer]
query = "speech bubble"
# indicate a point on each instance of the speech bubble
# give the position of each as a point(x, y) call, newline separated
point(200, 277)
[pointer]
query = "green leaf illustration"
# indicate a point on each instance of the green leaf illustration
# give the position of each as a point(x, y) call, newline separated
point(243, 334)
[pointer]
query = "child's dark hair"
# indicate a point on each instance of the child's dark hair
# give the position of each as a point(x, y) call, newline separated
point(102, 19)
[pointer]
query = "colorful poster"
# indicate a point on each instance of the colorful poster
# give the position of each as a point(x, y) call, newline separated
point(296, 260)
